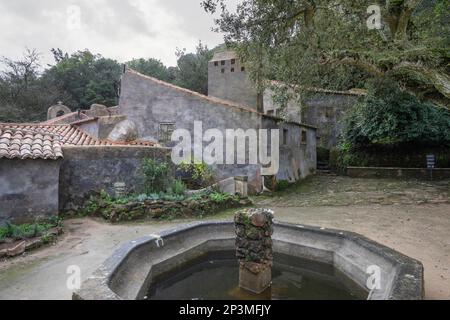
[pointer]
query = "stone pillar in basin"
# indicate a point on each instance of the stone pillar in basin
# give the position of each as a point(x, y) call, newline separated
point(254, 229)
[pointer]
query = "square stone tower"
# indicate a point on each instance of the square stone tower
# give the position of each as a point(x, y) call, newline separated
point(228, 80)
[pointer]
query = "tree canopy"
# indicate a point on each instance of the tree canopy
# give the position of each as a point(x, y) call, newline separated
point(333, 44)
point(80, 79)
point(389, 117)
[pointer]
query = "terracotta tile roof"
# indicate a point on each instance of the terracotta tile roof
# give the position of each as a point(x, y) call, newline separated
point(28, 143)
point(43, 141)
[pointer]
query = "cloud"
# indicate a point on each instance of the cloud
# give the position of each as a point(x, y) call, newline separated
point(119, 29)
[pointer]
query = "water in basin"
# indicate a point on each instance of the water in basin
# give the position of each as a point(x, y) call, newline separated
point(215, 277)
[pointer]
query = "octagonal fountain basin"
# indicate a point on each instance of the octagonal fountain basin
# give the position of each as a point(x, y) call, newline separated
point(197, 261)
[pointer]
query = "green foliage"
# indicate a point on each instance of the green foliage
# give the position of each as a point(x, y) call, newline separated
point(80, 79)
point(85, 78)
point(24, 95)
point(219, 197)
point(151, 67)
point(177, 187)
point(156, 176)
point(192, 71)
point(328, 44)
point(283, 185)
point(389, 116)
point(199, 174)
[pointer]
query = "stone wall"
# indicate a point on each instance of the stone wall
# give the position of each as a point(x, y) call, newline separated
point(400, 173)
point(28, 190)
point(325, 111)
point(89, 169)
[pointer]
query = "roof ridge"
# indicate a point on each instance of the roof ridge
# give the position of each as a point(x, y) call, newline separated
point(194, 93)
point(215, 100)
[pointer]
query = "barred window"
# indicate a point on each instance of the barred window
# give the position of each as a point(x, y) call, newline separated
point(165, 131)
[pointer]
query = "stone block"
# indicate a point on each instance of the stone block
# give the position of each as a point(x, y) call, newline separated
point(255, 282)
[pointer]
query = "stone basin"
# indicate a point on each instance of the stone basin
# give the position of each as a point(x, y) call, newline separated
point(129, 272)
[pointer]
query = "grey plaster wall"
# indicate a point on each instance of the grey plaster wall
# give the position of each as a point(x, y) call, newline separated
point(291, 112)
point(149, 102)
point(234, 86)
point(325, 111)
point(28, 190)
point(298, 158)
point(87, 170)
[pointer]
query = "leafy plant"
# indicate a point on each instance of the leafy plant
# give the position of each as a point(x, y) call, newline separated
point(283, 185)
point(155, 175)
point(389, 116)
point(219, 197)
point(27, 230)
point(177, 187)
point(197, 174)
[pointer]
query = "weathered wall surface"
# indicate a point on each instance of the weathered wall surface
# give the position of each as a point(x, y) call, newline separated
point(291, 112)
point(325, 111)
point(86, 170)
point(297, 157)
point(234, 86)
point(149, 102)
point(28, 190)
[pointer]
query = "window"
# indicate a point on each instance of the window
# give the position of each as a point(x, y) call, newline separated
point(165, 131)
point(304, 137)
point(216, 63)
point(222, 62)
point(285, 137)
point(223, 70)
point(270, 112)
point(232, 69)
point(242, 69)
point(233, 61)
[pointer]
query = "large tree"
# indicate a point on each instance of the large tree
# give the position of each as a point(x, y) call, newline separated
point(319, 42)
point(24, 97)
point(151, 67)
point(84, 78)
point(192, 68)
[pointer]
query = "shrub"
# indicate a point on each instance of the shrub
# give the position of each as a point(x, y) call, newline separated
point(177, 187)
point(282, 185)
point(389, 116)
point(219, 197)
point(196, 175)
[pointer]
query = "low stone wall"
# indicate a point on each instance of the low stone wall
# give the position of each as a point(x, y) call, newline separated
point(88, 170)
point(160, 209)
point(378, 172)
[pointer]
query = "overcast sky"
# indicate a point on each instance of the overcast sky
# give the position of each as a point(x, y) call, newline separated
point(118, 29)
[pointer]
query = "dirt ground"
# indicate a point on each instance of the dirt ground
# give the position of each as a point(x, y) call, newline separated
point(410, 216)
